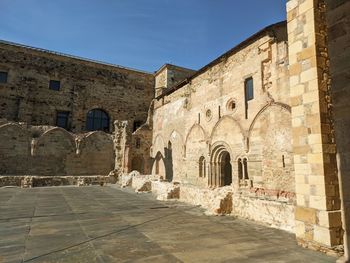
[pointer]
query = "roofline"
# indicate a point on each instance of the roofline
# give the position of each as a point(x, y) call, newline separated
point(172, 65)
point(71, 56)
point(233, 50)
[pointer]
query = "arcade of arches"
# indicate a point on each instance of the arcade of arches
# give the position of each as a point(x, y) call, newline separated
point(247, 128)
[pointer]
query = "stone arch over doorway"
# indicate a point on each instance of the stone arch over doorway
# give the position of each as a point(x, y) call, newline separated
point(220, 165)
point(158, 167)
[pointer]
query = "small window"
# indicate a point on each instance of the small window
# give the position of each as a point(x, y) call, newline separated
point(3, 77)
point(62, 119)
point(249, 89)
point(248, 93)
point(137, 124)
point(231, 105)
point(55, 85)
point(201, 165)
point(208, 115)
point(240, 169)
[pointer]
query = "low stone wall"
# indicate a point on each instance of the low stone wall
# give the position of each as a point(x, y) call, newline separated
point(165, 190)
point(39, 181)
point(271, 207)
point(277, 214)
point(53, 151)
point(143, 183)
point(215, 201)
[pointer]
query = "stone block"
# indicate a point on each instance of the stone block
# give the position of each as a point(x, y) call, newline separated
point(307, 53)
point(306, 214)
point(308, 75)
point(318, 202)
point(300, 229)
point(329, 219)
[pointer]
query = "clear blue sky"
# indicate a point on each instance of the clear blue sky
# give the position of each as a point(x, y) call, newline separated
point(142, 34)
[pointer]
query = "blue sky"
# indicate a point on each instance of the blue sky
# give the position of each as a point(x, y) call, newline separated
point(142, 34)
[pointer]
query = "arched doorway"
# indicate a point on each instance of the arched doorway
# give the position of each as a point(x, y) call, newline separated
point(169, 174)
point(158, 167)
point(220, 167)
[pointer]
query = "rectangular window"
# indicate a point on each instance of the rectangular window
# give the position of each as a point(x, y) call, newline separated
point(248, 93)
point(62, 119)
point(55, 85)
point(3, 77)
point(249, 89)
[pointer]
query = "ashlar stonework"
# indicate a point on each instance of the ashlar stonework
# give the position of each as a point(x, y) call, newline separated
point(261, 132)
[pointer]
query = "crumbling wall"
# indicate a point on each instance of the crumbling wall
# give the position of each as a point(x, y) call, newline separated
point(139, 151)
point(216, 201)
point(39, 181)
point(270, 149)
point(95, 155)
point(52, 151)
point(14, 149)
point(165, 190)
point(275, 208)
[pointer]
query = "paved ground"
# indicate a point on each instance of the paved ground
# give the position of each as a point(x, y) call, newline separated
point(105, 224)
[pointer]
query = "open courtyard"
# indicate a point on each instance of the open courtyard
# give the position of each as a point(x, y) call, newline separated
point(109, 224)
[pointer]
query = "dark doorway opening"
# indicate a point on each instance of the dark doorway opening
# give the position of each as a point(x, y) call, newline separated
point(226, 169)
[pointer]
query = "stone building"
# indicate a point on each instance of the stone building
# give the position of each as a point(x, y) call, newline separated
point(40, 87)
point(263, 129)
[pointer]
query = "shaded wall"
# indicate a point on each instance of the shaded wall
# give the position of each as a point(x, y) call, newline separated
point(53, 152)
point(338, 23)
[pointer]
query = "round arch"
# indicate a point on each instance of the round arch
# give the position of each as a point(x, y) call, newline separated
point(265, 108)
point(194, 126)
point(223, 119)
point(220, 165)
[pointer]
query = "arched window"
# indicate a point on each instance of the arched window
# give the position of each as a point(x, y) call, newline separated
point(97, 120)
point(201, 165)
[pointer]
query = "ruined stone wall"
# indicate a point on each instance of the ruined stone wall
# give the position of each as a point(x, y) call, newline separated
point(85, 85)
point(194, 119)
point(52, 151)
point(139, 151)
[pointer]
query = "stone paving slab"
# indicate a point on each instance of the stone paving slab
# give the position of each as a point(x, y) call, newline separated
point(109, 224)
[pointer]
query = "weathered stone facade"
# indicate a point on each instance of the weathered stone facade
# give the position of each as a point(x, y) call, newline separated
point(53, 151)
point(84, 85)
point(262, 132)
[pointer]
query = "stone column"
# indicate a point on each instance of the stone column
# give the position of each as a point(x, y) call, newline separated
point(120, 138)
point(317, 213)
